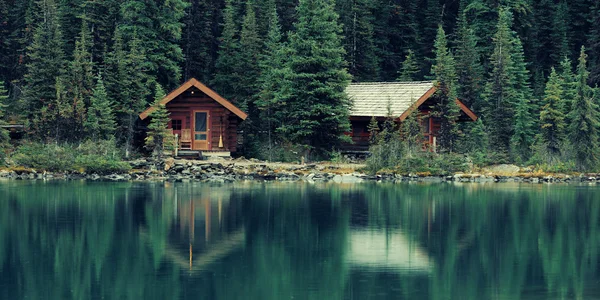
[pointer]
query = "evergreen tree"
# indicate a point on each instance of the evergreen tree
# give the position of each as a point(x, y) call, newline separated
point(4, 137)
point(316, 107)
point(198, 42)
point(446, 83)
point(45, 64)
point(128, 83)
point(594, 42)
point(552, 118)
point(158, 27)
point(508, 95)
point(227, 80)
point(373, 129)
point(411, 133)
point(272, 79)
point(101, 17)
point(468, 65)
point(526, 108)
point(568, 86)
point(157, 129)
point(80, 81)
point(410, 67)
point(359, 43)
point(100, 122)
point(249, 69)
point(584, 120)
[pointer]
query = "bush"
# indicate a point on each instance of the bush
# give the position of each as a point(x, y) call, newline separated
point(100, 157)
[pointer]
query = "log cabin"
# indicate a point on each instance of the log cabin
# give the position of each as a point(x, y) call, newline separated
point(373, 100)
point(202, 120)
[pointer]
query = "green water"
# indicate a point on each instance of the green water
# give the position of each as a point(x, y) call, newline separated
point(77, 240)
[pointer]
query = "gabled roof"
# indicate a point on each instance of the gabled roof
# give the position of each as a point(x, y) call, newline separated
point(209, 92)
point(372, 99)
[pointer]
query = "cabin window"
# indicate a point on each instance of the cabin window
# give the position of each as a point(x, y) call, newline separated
point(176, 124)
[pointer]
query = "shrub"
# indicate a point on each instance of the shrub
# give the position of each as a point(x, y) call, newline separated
point(99, 157)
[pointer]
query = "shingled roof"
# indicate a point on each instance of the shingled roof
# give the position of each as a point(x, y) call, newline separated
point(371, 99)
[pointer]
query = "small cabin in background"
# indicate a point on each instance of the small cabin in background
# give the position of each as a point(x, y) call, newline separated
point(374, 99)
point(203, 121)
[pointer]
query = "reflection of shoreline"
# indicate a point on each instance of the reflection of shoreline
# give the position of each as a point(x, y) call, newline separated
point(385, 250)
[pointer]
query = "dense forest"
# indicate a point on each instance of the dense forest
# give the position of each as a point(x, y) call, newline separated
point(72, 70)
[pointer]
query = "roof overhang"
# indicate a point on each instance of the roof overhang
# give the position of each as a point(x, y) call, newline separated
point(206, 90)
point(428, 95)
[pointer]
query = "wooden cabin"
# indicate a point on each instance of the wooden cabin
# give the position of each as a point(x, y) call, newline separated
point(203, 121)
point(374, 99)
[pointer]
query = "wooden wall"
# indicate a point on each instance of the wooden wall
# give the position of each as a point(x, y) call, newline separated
point(221, 120)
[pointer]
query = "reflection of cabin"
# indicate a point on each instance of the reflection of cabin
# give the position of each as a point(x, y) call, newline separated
point(374, 99)
point(201, 118)
point(386, 250)
point(206, 227)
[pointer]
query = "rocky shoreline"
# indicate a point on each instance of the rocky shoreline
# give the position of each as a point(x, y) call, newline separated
point(231, 171)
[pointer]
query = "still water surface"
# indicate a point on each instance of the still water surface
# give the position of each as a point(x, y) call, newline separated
point(77, 240)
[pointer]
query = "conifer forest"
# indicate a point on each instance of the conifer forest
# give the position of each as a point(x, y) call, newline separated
point(75, 70)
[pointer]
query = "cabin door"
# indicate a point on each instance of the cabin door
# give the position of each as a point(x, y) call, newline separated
point(201, 130)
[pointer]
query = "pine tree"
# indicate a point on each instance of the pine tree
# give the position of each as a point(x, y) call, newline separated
point(4, 137)
point(568, 86)
point(316, 107)
point(373, 129)
point(507, 93)
point(594, 42)
point(271, 80)
point(552, 118)
point(525, 106)
point(80, 80)
point(198, 40)
point(45, 64)
point(100, 122)
point(468, 65)
point(127, 82)
point(584, 116)
point(446, 83)
point(101, 18)
point(158, 27)
point(363, 62)
point(410, 67)
point(411, 133)
point(249, 69)
point(227, 80)
point(157, 129)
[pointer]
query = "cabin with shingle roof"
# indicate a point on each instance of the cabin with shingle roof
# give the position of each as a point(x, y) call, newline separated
point(398, 99)
point(204, 122)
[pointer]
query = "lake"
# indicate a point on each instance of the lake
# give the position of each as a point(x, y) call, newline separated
point(90, 240)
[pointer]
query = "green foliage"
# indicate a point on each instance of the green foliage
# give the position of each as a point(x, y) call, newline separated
point(46, 63)
point(446, 82)
point(410, 67)
point(4, 137)
point(552, 118)
point(100, 121)
point(101, 157)
point(584, 120)
point(158, 138)
point(411, 133)
point(315, 107)
point(357, 20)
point(468, 65)
point(226, 79)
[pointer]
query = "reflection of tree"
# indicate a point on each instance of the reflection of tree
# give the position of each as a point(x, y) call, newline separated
point(77, 241)
point(296, 247)
point(499, 242)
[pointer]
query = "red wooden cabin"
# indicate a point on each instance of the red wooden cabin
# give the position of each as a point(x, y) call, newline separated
point(378, 99)
point(201, 118)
